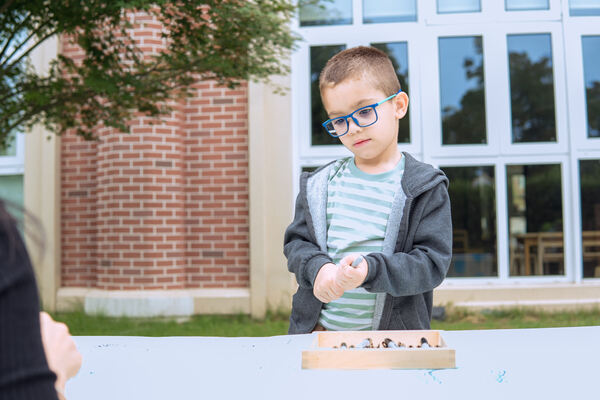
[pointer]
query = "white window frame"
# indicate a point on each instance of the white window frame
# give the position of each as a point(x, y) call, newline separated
point(491, 11)
point(501, 256)
point(432, 125)
point(567, 205)
point(582, 147)
point(576, 95)
point(582, 19)
point(502, 234)
point(560, 91)
point(576, 214)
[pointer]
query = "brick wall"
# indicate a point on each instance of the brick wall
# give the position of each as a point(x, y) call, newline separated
point(165, 207)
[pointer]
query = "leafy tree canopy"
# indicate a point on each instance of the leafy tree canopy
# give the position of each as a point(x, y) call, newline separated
point(229, 41)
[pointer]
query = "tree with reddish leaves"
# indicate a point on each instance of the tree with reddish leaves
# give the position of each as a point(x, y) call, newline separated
point(227, 41)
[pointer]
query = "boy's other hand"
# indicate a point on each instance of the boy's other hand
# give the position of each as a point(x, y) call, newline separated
point(326, 287)
point(349, 277)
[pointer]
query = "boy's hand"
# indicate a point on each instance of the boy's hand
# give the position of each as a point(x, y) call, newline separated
point(326, 287)
point(349, 277)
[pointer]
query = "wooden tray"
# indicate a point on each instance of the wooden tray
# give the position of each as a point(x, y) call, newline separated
point(322, 354)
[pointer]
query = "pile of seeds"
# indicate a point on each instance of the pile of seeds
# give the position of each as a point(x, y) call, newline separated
point(387, 343)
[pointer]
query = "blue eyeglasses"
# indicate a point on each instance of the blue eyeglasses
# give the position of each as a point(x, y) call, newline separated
point(363, 117)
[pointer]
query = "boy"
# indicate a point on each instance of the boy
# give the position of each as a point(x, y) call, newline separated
point(381, 204)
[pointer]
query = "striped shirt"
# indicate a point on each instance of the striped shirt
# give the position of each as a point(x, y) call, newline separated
point(358, 207)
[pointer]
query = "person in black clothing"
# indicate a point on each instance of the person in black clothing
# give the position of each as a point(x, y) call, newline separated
point(37, 354)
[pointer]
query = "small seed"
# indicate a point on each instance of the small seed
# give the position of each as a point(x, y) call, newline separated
point(365, 344)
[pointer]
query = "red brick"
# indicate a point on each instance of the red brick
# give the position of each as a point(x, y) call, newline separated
point(151, 202)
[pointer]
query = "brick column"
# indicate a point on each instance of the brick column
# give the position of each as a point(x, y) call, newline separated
point(140, 207)
point(165, 207)
point(217, 187)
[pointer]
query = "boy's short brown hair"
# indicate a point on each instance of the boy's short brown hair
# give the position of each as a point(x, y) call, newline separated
point(361, 62)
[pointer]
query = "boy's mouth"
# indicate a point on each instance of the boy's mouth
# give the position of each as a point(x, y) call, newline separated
point(361, 142)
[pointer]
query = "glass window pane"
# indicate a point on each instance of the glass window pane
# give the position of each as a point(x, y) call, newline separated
point(462, 92)
point(584, 7)
point(398, 53)
point(535, 222)
point(591, 76)
point(11, 188)
point(325, 12)
point(389, 11)
point(457, 6)
point(473, 198)
point(589, 171)
point(319, 55)
point(520, 5)
point(11, 148)
point(531, 88)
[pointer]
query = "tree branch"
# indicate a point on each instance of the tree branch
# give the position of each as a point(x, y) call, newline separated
point(20, 89)
point(24, 118)
point(29, 50)
point(13, 34)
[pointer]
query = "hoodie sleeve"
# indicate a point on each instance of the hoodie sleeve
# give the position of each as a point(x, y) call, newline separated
point(304, 256)
point(425, 264)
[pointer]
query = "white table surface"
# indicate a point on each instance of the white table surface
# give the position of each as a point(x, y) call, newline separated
point(549, 363)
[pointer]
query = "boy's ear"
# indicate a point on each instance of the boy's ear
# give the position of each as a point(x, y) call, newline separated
point(401, 105)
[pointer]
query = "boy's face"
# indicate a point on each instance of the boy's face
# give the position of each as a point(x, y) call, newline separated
point(376, 144)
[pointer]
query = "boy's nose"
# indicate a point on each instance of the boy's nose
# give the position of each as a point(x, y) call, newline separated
point(352, 126)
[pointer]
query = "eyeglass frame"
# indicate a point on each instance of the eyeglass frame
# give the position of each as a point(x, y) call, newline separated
point(374, 106)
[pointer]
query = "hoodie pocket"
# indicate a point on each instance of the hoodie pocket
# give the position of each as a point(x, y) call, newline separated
point(409, 313)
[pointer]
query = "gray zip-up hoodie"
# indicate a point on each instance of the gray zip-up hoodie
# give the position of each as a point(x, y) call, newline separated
point(416, 254)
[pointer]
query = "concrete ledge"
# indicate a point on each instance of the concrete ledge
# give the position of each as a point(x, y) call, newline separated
point(545, 305)
point(154, 303)
point(549, 297)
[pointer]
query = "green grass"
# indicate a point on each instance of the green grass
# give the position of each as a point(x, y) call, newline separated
point(461, 319)
point(81, 324)
point(277, 324)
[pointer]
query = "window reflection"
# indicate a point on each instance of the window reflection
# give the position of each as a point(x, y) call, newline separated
point(473, 198)
point(535, 221)
point(11, 146)
point(398, 53)
point(462, 92)
point(319, 55)
point(591, 76)
point(522, 5)
point(457, 6)
point(589, 171)
point(325, 12)
point(389, 11)
point(11, 189)
point(584, 7)
point(531, 88)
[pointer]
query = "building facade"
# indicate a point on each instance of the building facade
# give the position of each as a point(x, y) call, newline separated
point(504, 99)
point(187, 216)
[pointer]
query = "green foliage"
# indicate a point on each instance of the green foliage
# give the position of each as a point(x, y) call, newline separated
point(592, 94)
point(532, 99)
point(229, 41)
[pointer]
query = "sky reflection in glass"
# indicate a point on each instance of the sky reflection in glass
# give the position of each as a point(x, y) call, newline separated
point(462, 93)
